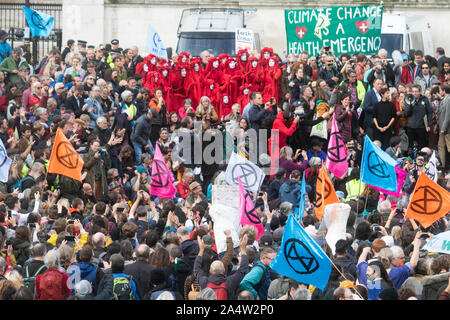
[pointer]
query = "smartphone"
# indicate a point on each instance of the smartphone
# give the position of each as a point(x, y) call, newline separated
point(69, 238)
point(70, 222)
point(424, 236)
point(32, 225)
point(120, 209)
point(9, 214)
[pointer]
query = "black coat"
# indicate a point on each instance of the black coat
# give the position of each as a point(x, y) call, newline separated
point(71, 104)
point(140, 270)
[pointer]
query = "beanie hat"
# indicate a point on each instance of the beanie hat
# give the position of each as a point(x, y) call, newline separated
point(83, 288)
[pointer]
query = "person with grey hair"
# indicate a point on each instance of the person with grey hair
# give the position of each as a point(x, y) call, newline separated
point(94, 106)
point(206, 294)
point(141, 269)
point(12, 64)
point(285, 208)
point(245, 295)
point(52, 284)
point(225, 287)
point(205, 55)
point(127, 113)
point(302, 294)
point(83, 290)
point(41, 117)
point(189, 247)
point(37, 266)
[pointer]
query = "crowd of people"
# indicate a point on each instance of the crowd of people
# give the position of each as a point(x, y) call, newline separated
point(106, 237)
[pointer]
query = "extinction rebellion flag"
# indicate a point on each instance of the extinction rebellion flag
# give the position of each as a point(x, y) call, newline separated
point(349, 30)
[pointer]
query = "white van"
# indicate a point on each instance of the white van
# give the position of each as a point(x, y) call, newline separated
point(406, 32)
point(213, 29)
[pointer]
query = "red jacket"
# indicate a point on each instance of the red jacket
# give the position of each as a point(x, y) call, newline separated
point(284, 132)
point(64, 279)
point(183, 189)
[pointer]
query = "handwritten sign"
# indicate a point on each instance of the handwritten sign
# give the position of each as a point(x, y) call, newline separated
point(225, 195)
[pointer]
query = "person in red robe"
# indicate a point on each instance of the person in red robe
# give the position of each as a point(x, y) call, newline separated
point(210, 90)
point(244, 98)
point(148, 65)
point(253, 74)
point(166, 83)
point(242, 60)
point(180, 80)
point(213, 72)
point(272, 81)
point(153, 81)
point(223, 57)
point(224, 106)
point(194, 90)
point(233, 80)
point(266, 53)
point(183, 58)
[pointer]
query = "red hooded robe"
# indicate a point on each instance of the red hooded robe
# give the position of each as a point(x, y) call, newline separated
point(272, 82)
point(194, 89)
point(179, 86)
point(253, 75)
point(233, 80)
point(241, 63)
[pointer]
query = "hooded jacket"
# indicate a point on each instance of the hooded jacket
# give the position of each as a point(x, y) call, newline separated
point(87, 272)
point(289, 191)
point(284, 131)
point(434, 285)
point(232, 282)
point(190, 251)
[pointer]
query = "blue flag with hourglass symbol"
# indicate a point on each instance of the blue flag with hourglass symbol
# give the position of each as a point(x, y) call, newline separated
point(154, 43)
point(41, 24)
point(300, 257)
point(377, 167)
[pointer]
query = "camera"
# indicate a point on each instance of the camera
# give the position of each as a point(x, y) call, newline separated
point(376, 228)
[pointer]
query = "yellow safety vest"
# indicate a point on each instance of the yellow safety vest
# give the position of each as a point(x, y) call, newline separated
point(354, 189)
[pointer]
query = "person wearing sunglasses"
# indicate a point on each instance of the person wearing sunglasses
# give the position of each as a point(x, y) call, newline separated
point(426, 79)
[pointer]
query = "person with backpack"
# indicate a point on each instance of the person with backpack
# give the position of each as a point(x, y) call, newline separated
point(124, 286)
point(35, 267)
point(225, 287)
point(141, 269)
point(178, 270)
point(257, 281)
point(52, 284)
point(87, 269)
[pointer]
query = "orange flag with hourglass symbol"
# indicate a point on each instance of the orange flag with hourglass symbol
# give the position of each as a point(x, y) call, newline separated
point(325, 193)
point(64, 159)
point(429, 202)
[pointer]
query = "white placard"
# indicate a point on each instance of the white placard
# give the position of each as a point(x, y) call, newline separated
point(244, 39)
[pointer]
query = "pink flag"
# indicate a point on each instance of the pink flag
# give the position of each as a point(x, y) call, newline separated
point(401, 175)
point(162, 178)
point(248, 212)
point(337, 152)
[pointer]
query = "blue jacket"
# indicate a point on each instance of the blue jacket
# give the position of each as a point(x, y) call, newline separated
point(5, 50)
point(252, 281)
point(96, 113)
point(256, 115)
point(289, 191)
point(321, 154)
point(370, 100)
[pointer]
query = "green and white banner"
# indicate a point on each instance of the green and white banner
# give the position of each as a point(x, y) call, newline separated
point(349, 30)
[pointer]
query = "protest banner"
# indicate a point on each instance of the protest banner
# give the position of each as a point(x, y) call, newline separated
point(225, 218)
point(247, 211)
point(244, 39)
point(249, 173)
point(325, 193)
point(299, 207)
point(335, 220)
point(225, 195)
point(354, 29)
point(336, 161)
point(40, 23)
point(439, 243)
point(5, 163)
point(154, 43)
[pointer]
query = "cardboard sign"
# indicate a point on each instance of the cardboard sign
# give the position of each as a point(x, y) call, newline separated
point(349, 30)
point(244, 39)
point(225, 195)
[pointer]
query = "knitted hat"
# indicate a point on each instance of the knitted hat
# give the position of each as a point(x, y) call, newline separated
point(83, 288)
point(141, 169)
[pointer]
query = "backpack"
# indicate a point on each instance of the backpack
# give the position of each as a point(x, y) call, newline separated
point(51, 286)
point(28, 281)
point(263, 285)
point(220, 290)
point(122, 289)
point(18, 184)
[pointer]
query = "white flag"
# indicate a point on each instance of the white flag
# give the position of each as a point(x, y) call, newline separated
point(5, 163)
point(431, 168)
point(251, 175)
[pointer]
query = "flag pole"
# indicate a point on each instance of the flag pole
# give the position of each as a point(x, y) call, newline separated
point(345, 278)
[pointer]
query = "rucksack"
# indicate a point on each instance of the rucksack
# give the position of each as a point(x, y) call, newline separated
point(263, 284)
point(122, 289)
point(220, 290)
point(28, 281)
point(19, 183)
point(98, 261)
point(51, 286)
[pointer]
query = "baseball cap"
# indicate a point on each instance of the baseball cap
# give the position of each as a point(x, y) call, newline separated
point(405, 57)
point(266, 240)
